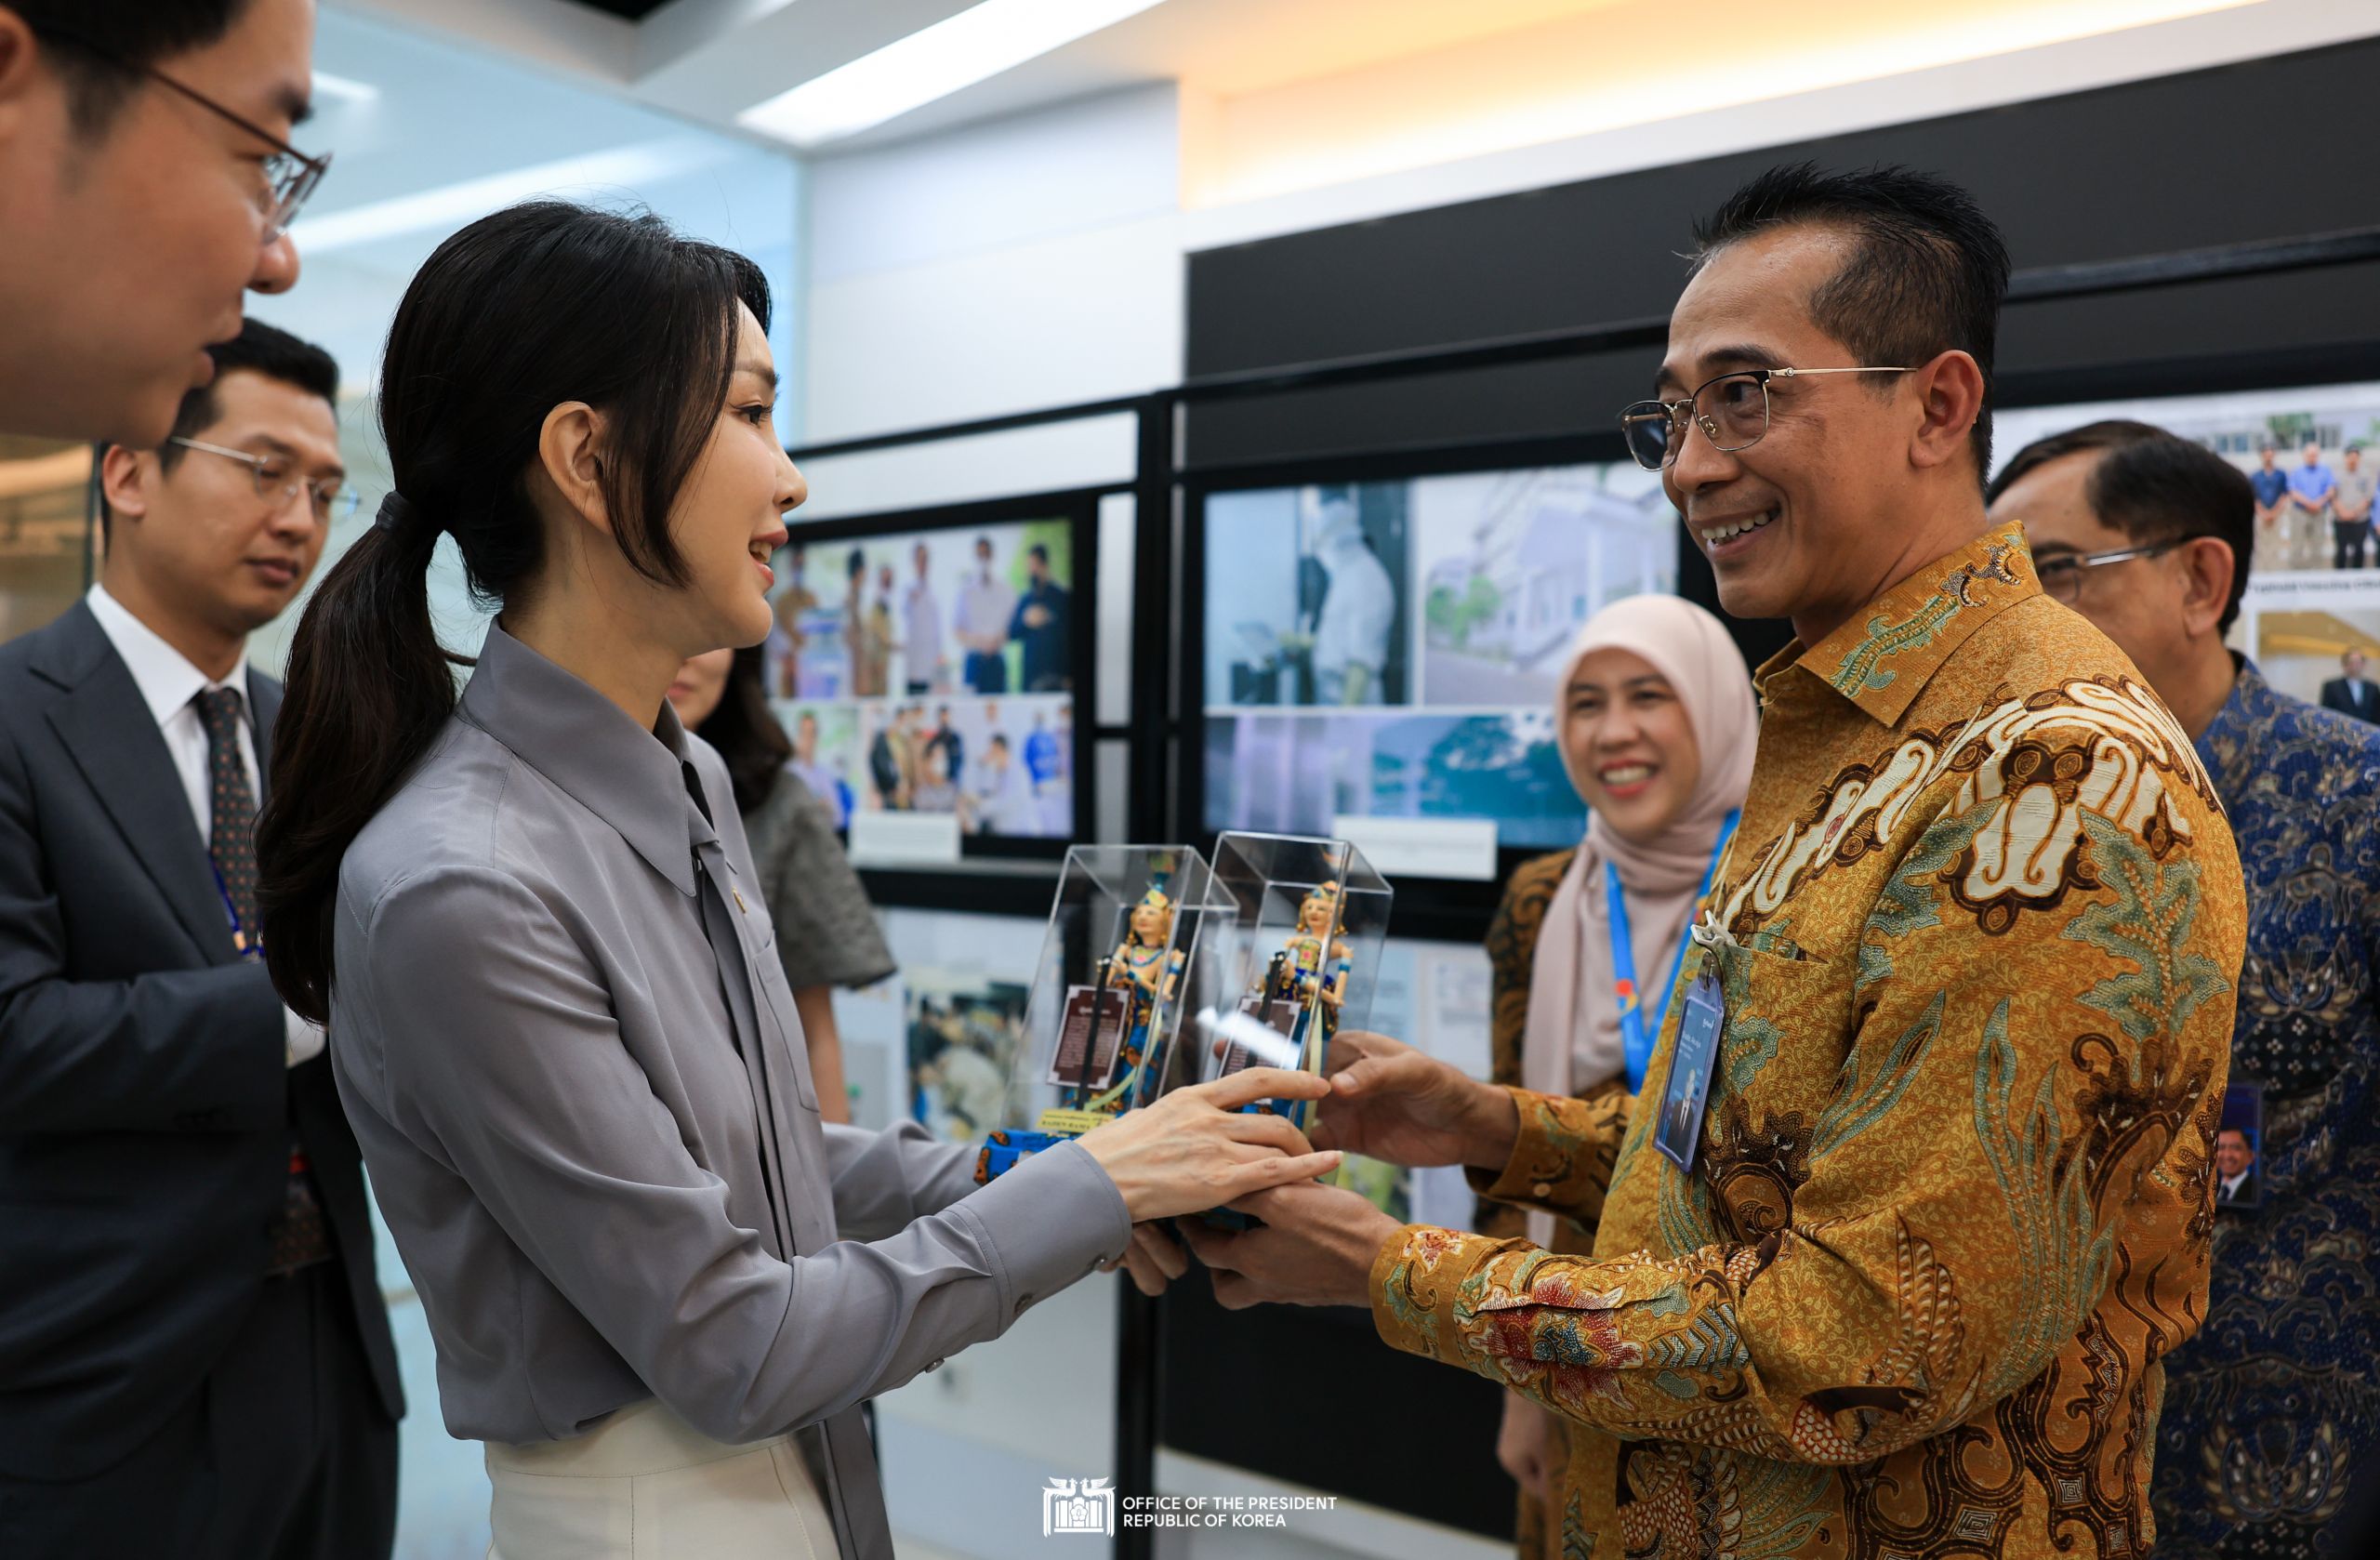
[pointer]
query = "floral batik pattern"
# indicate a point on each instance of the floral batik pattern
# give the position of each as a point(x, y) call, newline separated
point(2276, 1402)
point(1979, 944)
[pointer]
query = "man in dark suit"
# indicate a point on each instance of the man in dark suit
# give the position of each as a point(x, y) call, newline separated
point(194, 1358)
point(2354, 693)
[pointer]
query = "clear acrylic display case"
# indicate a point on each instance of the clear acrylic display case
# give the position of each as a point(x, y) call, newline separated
point(1294, 962)
point(1105, 1010)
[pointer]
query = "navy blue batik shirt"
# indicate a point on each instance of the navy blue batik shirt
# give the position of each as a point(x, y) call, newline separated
point(2276, 1402)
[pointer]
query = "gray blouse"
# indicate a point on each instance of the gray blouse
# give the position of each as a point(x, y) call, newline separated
point(595, 1137)
point(826, 931)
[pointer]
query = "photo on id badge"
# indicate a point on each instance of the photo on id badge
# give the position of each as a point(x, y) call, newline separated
point(1679, 1127)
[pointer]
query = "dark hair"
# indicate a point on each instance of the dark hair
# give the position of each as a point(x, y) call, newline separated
point(1925, 275)
point(1038, 550)
point(259, 349)
point(745, 733)
point(519, 312)
point(108, 42)
point(2153, 486)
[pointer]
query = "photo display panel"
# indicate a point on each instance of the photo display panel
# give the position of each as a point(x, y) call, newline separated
point(933, 672)
point(1389, 650)
point(2310, 451)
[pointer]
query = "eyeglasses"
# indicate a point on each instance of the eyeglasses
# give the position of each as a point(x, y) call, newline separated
point(276, 485)
point(1732, 411)
point(290, 176)
point(2062, 577)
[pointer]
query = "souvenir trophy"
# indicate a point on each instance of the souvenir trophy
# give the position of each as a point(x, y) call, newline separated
point(1297, 959)
point(1102, 1018)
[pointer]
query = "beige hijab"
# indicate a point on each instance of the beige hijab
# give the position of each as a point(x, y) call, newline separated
point(1571, 1041)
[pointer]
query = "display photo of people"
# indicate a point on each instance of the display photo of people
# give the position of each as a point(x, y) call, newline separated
point(933, 672)
point(1390, 649)
point(2312, 457)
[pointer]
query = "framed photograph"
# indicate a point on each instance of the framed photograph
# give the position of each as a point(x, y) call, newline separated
point(2239, 1148)
point(930, 663)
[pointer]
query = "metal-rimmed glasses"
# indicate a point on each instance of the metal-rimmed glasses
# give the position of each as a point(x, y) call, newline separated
point(276, 484)
point(2062, 577)
point(1732, 411)
point(290, 176)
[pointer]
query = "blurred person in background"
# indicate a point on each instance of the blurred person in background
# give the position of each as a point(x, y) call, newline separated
point(1655, 708)
point(1040, 625)
point(2311, 488)
point(922, 627)
point(979, 624)
point(2270, 485)
point(194, 1357)
point(2271, 1406)
point(146, 183)
point(2353, 692)
point(825, 780)
point(826, 934)
point(2351, 508)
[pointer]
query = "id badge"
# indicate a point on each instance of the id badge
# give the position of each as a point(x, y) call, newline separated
point(1679, 1131)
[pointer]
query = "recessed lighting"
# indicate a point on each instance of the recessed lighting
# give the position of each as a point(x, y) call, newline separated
point(976, 44)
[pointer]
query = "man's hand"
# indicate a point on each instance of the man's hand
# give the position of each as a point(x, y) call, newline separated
point(1153, 1259)
point(1528, 1444)
point(1315, 1248)
point(1393, 1102)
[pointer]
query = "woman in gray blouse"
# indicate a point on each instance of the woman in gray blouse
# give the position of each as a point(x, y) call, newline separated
point(826, 930)
point(659, 1283)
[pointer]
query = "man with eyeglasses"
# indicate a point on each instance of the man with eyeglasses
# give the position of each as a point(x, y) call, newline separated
point(146, 181)
point(2149, 536)
point(1905, 1285)
point(194, 1358)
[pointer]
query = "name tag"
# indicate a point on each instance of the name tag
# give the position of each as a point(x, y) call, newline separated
point(1678, 1133)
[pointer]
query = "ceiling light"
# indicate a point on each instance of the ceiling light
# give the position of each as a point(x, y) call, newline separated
point(615, 172)
point(345, 88)
point(956, 53)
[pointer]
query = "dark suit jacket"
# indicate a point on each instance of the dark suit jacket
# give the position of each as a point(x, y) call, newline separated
point(2334, 696)
point(145, 1108)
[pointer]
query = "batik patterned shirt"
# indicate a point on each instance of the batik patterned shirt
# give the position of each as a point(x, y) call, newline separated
point(1977, 941)
point(2276, 1402)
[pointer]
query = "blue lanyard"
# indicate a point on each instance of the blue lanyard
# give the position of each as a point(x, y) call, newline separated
point(1636, 1041)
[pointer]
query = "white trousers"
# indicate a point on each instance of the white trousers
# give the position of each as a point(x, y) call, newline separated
point(646, 1485)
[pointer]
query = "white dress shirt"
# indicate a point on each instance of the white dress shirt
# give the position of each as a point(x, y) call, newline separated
point(169, 685)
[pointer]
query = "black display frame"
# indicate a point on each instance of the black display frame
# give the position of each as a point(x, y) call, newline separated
point(997, 874)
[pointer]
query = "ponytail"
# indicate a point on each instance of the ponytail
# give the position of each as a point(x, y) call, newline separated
point(369, 687)
point(521, 311)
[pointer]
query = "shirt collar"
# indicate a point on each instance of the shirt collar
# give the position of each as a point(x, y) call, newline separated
point(2227, 747)
point(1882, 659)
point(166, 679)
point(634, 780)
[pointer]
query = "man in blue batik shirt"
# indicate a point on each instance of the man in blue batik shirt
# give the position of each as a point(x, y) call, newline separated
point(2270, 485)
point(2276, 1401)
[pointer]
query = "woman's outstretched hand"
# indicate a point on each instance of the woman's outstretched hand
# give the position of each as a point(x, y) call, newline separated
point(1194, 1149)
point(1391, 1101)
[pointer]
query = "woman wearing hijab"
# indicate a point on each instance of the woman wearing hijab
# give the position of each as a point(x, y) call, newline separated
point(1657, 726)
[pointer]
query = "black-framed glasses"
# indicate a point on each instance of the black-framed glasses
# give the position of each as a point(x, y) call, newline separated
point(290, 176)
point(277, 484)
point(1732, 411)
point(2062, 577)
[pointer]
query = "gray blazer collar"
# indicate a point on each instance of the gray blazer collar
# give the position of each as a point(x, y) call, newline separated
point(633, 779)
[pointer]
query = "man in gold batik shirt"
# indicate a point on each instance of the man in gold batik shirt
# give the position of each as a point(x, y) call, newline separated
point(1974, 953)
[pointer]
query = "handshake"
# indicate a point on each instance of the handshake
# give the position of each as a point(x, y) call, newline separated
point(1196, 1149)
